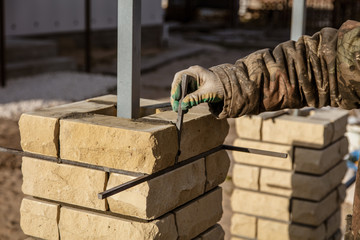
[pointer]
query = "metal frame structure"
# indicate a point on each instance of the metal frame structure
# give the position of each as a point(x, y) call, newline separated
point(298, 19)
point(129, 58)
point(87, 36)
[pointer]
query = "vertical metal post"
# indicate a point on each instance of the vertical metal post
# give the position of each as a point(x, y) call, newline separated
point(87, 39)
point(2, 45)
point(298, 19)
point(129, 57)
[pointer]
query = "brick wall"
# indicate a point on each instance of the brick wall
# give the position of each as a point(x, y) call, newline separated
point(62, 201)
point(294, 198)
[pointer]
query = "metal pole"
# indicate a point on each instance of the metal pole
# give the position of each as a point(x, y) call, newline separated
point(2, 45)
point(129, 56)
point(87, 36)
point(298, 19)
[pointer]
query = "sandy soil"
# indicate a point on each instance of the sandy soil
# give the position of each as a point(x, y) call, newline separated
point(10, 182)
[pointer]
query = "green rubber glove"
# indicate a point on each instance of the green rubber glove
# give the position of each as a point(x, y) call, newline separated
point(204, 86)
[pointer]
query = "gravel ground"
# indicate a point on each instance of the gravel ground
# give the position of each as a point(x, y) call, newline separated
point(30, 93)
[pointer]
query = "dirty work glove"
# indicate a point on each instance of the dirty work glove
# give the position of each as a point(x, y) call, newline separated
point(204, 86)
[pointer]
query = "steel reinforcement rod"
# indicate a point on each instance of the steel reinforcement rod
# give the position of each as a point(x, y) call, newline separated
point(141, 177)
point(145, 178)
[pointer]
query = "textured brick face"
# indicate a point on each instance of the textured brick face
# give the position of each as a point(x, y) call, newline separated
point(217, 166)
point(40, 130)
point(214, 233)
point(298, 131)
point(198, 216)
point(243, 225)
point(244, 131)
point(160, 195)
point(246, 176)
point(260, 204)
point(201, 131)
point(80, 224)
point(319, 161)
point(39, 218)
point(64, 183)
point(261, 160)
point(118, 143)
point(269, 230)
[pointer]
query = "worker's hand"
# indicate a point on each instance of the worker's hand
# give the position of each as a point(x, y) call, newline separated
point(204, 86)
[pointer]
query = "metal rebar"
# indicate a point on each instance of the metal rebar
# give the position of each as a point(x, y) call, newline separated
point(139, 180)
point(255, 151)
point(141, 177)
point(2, 44)
point(129, 57)
point(68, 162)
point(87, 36)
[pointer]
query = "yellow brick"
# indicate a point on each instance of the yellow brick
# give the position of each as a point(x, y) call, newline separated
point(201, 131)
point(302, 185)
point(314, 213)
point(39, 130)
point(261, 160)
point(269, 230)
point(173, 188)
point(64, 183)
point(316, 188)
point(319, 161)
point(333, 223)
point(275, 181)
point(146, 145)
point(260, 204)
point(338, 118)
point(298, 131)
point(119, 143)
point(243, 225)
point(217, 166)
point(214, 233)
point(39, 218)
point(249, 127)
point(80, 224)
point(199, 215)
point(246, 176)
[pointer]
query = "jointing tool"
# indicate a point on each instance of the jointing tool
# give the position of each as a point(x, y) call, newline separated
point(180, 118)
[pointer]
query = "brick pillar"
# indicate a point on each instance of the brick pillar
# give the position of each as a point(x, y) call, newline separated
point(294, 198)
point(62, 199)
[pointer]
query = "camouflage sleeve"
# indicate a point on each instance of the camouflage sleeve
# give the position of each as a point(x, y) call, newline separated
point(315, 71)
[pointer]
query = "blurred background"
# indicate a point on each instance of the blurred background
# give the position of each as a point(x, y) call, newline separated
point(59, 51)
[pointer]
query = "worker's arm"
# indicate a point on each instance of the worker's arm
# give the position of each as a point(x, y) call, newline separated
point(314, 71)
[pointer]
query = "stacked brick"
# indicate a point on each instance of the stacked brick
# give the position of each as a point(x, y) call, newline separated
point(62, 201)
point(294, 198)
